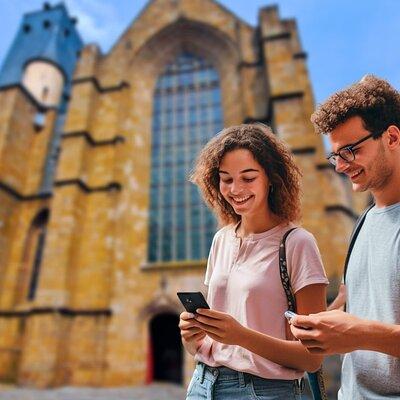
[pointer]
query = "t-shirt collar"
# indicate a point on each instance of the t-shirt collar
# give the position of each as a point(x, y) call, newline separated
point(257, 236)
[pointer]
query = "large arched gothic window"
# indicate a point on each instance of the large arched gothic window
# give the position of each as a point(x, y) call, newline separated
point(187, 112)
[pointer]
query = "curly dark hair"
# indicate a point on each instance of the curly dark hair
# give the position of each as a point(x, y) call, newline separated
point(272, 154)
point(373, 99)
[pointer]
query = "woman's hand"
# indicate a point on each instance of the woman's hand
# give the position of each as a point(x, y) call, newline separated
point(220, 326)
point(192, 335)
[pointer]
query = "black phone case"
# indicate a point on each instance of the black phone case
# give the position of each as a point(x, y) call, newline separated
point(192, 301)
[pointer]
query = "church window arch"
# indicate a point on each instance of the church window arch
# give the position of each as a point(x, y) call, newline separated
point(187, 113)
point(28, 274)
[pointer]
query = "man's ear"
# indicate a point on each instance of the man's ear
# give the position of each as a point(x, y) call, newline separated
point(393, 136)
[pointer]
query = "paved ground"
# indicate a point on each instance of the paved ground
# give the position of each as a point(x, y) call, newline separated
point(151, 392)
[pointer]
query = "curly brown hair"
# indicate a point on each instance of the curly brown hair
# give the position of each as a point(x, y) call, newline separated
point(373, 99)
point(272, 154)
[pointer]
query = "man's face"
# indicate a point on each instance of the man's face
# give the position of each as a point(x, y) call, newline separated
point(370, 170)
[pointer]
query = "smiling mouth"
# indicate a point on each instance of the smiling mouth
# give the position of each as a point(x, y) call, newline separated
point(240, 200)
point(355, 174)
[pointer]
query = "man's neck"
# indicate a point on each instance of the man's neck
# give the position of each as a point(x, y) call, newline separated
point(390, 193)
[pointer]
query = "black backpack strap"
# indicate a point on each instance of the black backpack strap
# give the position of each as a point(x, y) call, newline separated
point(284, 274)
point(353, 238)
point(315, 379)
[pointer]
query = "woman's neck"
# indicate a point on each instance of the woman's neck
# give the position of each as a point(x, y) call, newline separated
point(249, 225)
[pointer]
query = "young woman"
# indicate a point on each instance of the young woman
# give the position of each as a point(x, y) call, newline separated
point(243, 345)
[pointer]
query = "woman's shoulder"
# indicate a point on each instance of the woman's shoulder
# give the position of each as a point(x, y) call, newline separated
point(222, 238)
point(300, 235)
point(226, 230)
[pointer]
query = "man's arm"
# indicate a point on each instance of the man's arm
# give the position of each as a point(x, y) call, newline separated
point(334, 332)
point(381, 337)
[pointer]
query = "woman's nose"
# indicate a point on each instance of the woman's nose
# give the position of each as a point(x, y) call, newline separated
point(236, 187)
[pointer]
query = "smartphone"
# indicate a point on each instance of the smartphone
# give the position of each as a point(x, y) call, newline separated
point(289, 315)
point(192, 301)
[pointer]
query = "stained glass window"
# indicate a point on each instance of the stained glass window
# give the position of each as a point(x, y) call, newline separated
point(187, 112)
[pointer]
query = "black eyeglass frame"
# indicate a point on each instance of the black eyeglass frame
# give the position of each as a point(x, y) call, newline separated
point(331, 157)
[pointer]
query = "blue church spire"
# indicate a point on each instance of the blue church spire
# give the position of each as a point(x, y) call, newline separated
point(42, 61)
point(49, 35)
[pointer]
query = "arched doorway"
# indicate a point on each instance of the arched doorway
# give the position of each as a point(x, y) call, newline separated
point(166, 348)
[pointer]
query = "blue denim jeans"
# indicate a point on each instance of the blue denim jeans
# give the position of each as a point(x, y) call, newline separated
point(223, 383)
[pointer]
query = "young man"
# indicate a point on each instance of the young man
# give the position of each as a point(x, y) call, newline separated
point(363, 123)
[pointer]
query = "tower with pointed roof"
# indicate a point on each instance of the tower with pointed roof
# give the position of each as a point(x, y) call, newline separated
point(35, 86)
point(94, 254)
point(43, 55)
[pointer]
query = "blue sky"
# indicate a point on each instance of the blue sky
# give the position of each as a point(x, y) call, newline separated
point(344, 39)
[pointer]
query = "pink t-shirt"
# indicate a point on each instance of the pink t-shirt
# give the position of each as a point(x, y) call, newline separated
point(243, 280)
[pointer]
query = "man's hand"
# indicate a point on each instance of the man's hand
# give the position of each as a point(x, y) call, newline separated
point(328, 332)
point(220, 326)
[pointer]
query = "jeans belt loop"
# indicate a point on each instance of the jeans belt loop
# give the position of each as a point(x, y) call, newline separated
point(202, 372)
point(242, 381)
point(299, 386)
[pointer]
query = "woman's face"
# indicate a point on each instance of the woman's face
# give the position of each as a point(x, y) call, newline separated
point(243, 183)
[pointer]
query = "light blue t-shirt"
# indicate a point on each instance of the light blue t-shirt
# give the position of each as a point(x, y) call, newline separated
point(373, 292)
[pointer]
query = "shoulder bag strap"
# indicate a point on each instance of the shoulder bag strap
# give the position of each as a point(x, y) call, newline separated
point(284, 274)
point(315, 379)
point(353, 238)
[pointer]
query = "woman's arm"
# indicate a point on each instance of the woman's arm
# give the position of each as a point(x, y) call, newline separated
point(292, 354)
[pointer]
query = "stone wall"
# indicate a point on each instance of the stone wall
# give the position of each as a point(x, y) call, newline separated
point(89, 322)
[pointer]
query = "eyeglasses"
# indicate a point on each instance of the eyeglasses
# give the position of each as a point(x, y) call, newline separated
point(347, 153)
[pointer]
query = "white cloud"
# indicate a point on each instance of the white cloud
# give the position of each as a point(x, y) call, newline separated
point(98, 21)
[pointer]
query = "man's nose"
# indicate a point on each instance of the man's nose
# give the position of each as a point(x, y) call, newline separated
point(341, 165)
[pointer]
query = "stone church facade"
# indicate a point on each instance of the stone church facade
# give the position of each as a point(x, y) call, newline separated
point(99, 227)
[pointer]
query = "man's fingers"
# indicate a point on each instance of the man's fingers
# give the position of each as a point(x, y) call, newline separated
point(311, 344)
point(303, 321)
point(301, 333)
point(317, 350)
